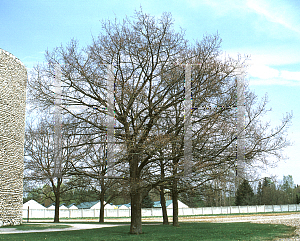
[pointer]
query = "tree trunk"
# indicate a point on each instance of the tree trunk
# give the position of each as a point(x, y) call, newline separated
point(162, 195)
point(136, 212)
point(135, 194)
point(101, 216)
point(56, 212)
point(175, 203)
point(163, 206)
point(57, 200)
point(174, 188)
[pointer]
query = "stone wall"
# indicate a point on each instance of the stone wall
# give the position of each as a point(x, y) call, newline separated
point(13, 78)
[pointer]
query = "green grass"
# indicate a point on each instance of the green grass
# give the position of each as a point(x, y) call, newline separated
point(186, 231)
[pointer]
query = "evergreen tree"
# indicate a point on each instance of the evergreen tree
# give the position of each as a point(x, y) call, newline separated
point(297, 194)
point(147, 202)
point(192, 198)
point(297, 198)
point(267, 182)
point(244, 194)
point(288, 186)
point(269, 192)
point(259, 193)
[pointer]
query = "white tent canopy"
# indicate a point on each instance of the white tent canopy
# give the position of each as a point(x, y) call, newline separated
point(33, 205)
point(123, 207)
point(73, 206)
point(180, 205)
point(63, 207)
point(107, 206)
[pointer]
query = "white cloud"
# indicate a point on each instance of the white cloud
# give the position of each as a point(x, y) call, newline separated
point(265, 82)
point(262, 74)
point(220, 7)
point(289, 75)
point(276, 11)
point(263, 71)
point(269, 54)
point(268, 57)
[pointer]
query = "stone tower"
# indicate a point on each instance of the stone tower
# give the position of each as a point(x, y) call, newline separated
point(13, 78)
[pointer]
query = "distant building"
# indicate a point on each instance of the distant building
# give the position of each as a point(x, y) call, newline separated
point(128, 205)
point(72, 206)
point(32, 204)
point(52, 206)
point(124, 207)
point(94, 205)
point(169, 204)
point(63, 206)
point(88, 205)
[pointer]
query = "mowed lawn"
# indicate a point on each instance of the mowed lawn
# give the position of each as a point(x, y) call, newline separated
point(186, 231)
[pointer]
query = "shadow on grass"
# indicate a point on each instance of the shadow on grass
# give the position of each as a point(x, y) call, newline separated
point(186, 231)
point(34, 226)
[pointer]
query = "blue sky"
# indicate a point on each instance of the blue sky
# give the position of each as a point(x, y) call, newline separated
point(266, 30)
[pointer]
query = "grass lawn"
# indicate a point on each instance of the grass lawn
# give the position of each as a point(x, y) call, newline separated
point(186, 231)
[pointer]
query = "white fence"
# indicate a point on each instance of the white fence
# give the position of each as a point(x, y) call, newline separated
point(87, 213)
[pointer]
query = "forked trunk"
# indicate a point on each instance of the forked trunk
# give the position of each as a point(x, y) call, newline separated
point(163, 206)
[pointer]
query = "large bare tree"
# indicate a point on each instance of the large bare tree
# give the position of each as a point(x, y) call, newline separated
point(148, 57)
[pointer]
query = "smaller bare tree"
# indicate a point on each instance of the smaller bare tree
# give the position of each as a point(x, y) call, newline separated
point(39, 156)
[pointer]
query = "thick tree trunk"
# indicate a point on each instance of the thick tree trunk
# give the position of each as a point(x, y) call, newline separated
point(135, 194)
point(163, 206)
point(175, 203)
point(136, 213)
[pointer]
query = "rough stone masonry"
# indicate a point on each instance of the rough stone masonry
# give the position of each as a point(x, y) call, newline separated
point(13, 78)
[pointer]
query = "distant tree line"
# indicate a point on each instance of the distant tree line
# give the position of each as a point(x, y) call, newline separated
point(267, 192)
point(45, 196)
point(270, 193)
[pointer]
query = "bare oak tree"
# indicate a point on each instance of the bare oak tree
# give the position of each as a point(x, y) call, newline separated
point(148, 57)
